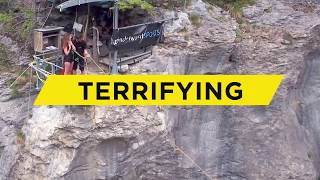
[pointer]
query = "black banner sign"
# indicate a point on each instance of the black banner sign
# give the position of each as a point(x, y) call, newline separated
point(136, 36)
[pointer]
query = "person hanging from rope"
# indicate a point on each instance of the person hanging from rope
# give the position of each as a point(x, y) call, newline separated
point(67, 47)
point(82, 53)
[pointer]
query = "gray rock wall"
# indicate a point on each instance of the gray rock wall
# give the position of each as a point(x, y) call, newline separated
point(280, 141)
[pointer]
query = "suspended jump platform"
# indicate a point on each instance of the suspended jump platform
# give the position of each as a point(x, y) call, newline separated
point(134, 43)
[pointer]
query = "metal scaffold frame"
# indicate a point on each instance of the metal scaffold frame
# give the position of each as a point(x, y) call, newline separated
point(44, 67)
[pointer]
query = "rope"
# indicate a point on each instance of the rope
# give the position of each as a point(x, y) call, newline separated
point(93, 110)
point(30, 65)
point(93, 115)
point(37, 70)
point(42, 60)
point(91, 60)
point(191, 160)
point(29, 98)
point(25, 43)
point(86, 108)
point(47, 16)
point(98, 66)
point(175, 147)
point(18, 77)
point(87, 69)
point(39, 77)
point(45, 73)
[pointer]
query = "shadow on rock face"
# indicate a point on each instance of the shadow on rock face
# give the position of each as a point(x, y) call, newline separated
point(97, 161)
point(309, 94)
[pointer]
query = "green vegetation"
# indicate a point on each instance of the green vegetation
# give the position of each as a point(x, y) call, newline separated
point(238, 34)
point(14, 25)
point(15, 93)
point(2, 2)
point(234, 6)
point(172, 5)
point(20, 137)
point(5, 18)
point(28, 24)
point(195, 20)
point(4, 59)
point(18, 84)
point(130, 4)
point(9, 81)
point(169, 4)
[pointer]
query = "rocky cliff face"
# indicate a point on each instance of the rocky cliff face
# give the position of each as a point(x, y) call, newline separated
point(280, 141)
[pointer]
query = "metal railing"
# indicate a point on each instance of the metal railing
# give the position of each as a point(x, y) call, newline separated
point(43, 67)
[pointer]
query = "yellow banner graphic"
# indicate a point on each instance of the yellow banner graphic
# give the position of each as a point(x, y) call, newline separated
point(159, 90)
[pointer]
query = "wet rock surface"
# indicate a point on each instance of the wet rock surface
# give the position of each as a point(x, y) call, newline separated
point(280, 141)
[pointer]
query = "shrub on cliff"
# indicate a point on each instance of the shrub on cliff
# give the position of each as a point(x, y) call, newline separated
point(17, 20)
point(130, 4)
point(4, 58)
point(234, 6)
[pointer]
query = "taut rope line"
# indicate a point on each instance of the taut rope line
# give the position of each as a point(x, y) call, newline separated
point(91, 60)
